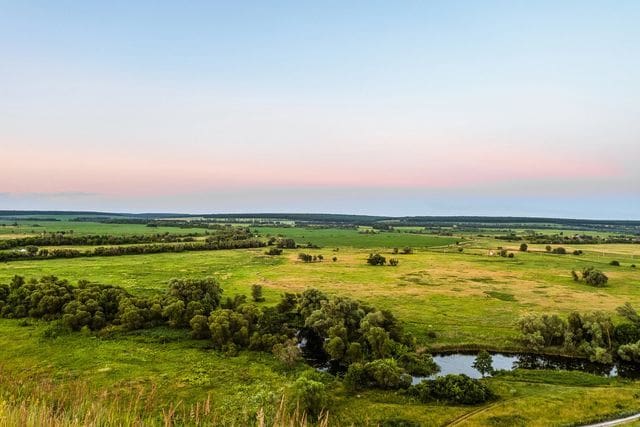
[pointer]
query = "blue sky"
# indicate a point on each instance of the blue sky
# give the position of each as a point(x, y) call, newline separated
point(403, 108)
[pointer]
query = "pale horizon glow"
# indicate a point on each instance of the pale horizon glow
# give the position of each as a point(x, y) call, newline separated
point(411, 108)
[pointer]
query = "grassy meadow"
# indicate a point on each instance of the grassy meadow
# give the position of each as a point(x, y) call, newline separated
point(451, 292)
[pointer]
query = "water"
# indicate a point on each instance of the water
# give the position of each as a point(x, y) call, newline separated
point(462, 363)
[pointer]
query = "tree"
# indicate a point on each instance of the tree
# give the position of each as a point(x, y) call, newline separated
point(310, 395)
point(483, 363)
point(376, 259)
point(594, 277)
point(524, 247)
point(256, 293)
point(548, 248)
point(200, 327)
point(229, 329)
point(394, 262)
point(288, 352)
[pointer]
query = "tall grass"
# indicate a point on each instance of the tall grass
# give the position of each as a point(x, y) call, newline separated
point(73, 403)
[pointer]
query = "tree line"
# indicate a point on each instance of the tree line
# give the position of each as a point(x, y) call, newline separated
point(232, 238)
point(66, 239)
point(592, 334)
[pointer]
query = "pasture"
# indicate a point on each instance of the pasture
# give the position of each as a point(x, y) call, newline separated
point(451, 293)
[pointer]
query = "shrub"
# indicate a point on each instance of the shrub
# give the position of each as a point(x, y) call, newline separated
point(421, 364)
point(386, 374)
point(594, 277)
point(256, 293)
point(274, 251)
point(286, 243)
point(577, 252)
point(524, 247)
point(288, 352)
point(407, 250)
point(453, 388)
point(540, 330)
point(200, 327)
point(376, 259)
point(615, 263)
point(560, 250)
point(393, 262)
point(310, 395)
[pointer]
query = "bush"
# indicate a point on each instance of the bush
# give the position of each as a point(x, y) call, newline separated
point(393, 262)
point(560, 250)
point(310, 395)
point(454, 389)
point(288, 352)
point(256, 293)
point(274, 251)
point(524, 247)
point(540, 330)
point(594, 277)
point(200, 327)
point(420, 364)
point(386, 374)
point(376, 259)
point(615, 263)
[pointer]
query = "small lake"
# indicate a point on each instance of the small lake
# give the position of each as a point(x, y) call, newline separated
point(462, 363)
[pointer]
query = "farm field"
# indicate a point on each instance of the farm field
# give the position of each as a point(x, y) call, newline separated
point(450, 293)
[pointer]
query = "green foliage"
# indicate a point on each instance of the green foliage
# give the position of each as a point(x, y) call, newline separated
point(541, 330)
point(274, 251)
point(229, 330)
point(200, 327)
point(310, 395)
point(376, 259)
point(418, 363)
point(386, 374)
point(590, 334)
point(483, 363)
point(454, 389)
point(256, 293)
point(287, 352)
point(524, 247)
point(594, 277)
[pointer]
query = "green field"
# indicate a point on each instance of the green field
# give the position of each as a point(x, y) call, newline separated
point(448, 299)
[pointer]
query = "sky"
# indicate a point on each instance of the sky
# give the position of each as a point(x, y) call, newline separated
point(511, 108)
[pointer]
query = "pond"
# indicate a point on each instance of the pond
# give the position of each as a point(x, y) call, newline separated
point(462, 363)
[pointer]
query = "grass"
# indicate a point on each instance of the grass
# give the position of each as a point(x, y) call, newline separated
point(468, 299)
point(27, 228)
point(141, 377)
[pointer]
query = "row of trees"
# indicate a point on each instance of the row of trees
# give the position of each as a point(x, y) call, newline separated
point(592, 334)
point(558, 239)
point(33, 252)
point(65, 239)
